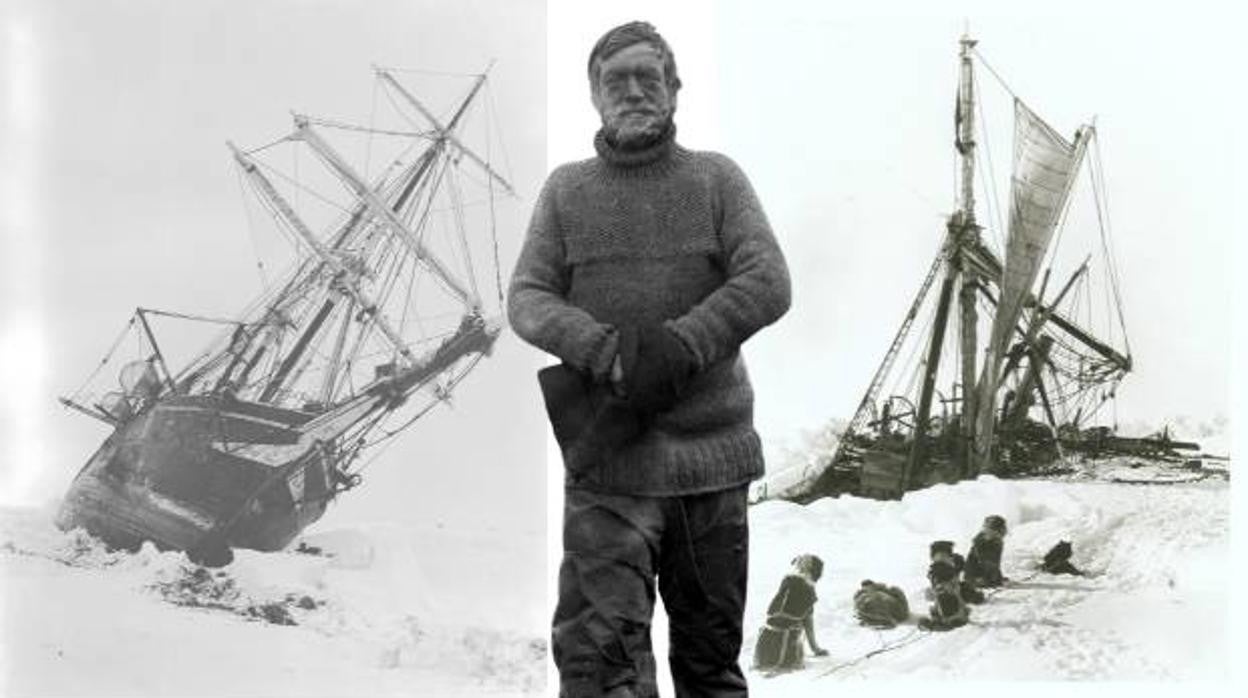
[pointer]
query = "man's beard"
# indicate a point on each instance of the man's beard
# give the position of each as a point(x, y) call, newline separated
point(633, 138)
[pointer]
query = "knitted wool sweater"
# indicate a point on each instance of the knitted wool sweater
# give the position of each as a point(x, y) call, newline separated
point(662, 235)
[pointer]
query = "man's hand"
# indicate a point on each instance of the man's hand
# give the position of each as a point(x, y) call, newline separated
point(655, 367)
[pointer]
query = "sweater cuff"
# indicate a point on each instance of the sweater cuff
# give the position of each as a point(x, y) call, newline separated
point(675, 328)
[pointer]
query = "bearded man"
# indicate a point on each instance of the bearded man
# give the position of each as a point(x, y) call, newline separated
point(644, 269)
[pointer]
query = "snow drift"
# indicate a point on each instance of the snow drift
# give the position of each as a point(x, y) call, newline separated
point(1153, 606)
point(368, 611)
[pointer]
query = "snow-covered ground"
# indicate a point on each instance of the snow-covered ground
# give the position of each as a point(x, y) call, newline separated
point(428, 611)
point(1154, 605)
point(379, 611)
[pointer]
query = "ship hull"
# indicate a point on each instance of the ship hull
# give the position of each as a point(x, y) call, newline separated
point(198, 469)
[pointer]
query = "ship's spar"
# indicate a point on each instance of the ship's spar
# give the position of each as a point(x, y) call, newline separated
point(871, 456)
point(199, 457)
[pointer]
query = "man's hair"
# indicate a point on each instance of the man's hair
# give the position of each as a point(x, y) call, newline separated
point(626, 35)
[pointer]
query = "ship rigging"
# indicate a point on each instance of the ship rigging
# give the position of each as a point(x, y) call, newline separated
point(379, 316)
point(1022, 348)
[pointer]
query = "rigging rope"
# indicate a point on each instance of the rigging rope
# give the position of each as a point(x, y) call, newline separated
point(407, 302)
point(489, 129)
point(283, 225)
point(251, 233)
point(993, 197)
point(300, 187)
point(1102, 199)
point(402, 114)
point(461, 230)
point(196, 318)
point(268, 145)
point(386, 440)
point(372, 122)
point(347, 126)
point(918, 349)
point(988, 65)
point(121, 336)
point(502, 144)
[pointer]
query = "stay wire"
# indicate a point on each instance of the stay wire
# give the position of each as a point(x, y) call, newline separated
point(502, 144)
point(251, 234)
point(489, 129)
point(1102, 198)
point(121, 336)
point(371, 130)
point(994, 197)
point(283, 225)
point(300, 187)
point(995, 74)
point(372, 123)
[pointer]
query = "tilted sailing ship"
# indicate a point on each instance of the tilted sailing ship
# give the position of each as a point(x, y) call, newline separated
point(246, 444)
point(1048, 366)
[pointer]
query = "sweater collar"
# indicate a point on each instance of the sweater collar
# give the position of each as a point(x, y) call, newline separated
point(656, 152)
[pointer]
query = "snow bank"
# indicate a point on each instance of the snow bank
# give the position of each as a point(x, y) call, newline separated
point(376, 611)
point(1157, 558)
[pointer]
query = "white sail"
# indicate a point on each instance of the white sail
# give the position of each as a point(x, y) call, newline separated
point(1045, 165)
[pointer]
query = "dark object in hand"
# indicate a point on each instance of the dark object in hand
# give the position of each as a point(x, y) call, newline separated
point(657, 367)
point(588, 419)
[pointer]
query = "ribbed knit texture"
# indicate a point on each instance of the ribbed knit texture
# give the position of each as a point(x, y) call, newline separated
point(660, 235)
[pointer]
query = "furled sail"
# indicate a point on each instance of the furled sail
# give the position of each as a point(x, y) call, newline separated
point(1045, 165)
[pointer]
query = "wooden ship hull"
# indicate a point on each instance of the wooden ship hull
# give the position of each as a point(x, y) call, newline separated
point(205, 473)
point(189, 466)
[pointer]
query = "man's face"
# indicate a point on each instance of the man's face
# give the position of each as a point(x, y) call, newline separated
point(632, 94)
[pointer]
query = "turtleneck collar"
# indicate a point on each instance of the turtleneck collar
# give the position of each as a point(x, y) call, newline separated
point(658, 151)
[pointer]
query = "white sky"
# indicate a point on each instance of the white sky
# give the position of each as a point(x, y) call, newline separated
point(842, 117)
point(117, 191)
point(115, 114)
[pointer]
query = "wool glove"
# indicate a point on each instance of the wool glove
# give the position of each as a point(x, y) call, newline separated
point(657, 367)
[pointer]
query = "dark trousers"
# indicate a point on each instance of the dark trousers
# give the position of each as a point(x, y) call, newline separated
point(614, 547)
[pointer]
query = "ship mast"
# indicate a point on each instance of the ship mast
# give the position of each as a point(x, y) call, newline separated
point(967, 235)
point(961, 233)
